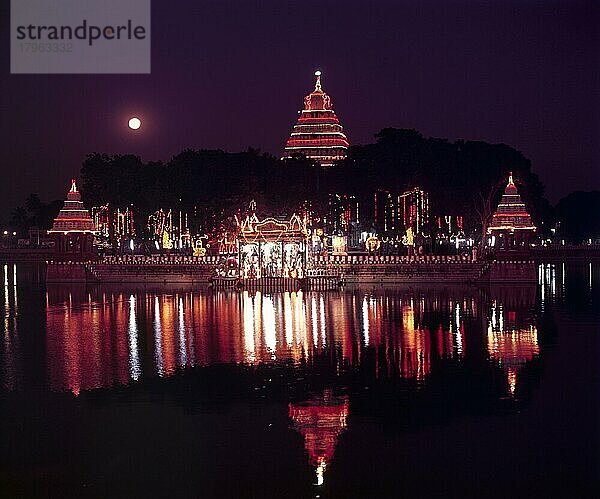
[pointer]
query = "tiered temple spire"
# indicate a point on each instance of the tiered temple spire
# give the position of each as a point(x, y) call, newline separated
point(511, 225)
point(73, 229)
point(511, 213)
point(318, 134)
point(73, 217)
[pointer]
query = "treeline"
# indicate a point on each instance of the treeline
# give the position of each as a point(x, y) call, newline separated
point(578, 216)
point(213, 179)
point(459, 176)
point(34, 213)
point(212, 184)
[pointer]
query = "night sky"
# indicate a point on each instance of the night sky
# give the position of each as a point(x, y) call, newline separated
point(233, 74)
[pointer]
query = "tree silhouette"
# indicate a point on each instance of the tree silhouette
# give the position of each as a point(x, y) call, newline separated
point(579, 216)
point(461, 178)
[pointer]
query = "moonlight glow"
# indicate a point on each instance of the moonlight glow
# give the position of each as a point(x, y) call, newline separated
point(134, 123)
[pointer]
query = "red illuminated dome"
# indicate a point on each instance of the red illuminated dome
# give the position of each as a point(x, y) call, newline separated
point(511, 214)
point(318, 134)
point(73, 217)
point(73, 230)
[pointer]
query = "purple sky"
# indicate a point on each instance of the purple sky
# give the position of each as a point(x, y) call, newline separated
point(231, 74)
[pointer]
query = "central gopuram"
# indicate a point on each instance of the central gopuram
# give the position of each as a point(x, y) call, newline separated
point(318, 134)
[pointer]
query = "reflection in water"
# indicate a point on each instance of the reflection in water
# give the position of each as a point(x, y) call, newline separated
point(132, 332)
point(158, 334)
point(268, 313)
point(320, 421)
point(101, 337)
point(249, 350)
point(182, 360)
point(510, 341)
point(367, 371)
point(98, 338)
point(82, 348)
point(11, 365)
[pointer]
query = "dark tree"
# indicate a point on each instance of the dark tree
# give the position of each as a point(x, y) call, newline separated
point(215, 184)
point(456, 175)
point(578, 215)
point(35, 214)
point(19, 220)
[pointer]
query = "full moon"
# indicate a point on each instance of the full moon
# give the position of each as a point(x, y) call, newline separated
point(134, 123)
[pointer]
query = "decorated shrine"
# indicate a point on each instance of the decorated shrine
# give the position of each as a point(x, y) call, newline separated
point(511, 224)
point(73, 229)
point(271, 247)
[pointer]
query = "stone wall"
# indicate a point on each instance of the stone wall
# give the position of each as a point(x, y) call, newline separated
point(348, 269)
point(66, 272)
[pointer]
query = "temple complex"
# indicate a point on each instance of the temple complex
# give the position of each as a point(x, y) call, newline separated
point(511, 224)
point(73, 229)
point(318, 134)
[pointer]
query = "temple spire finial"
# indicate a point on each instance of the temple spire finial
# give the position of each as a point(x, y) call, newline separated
point(73, 185)
point(318, 82)
point(510, 179)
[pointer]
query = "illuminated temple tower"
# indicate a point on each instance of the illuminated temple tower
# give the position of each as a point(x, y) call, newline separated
point(73, 229)
point(511, 223)
point(318, 134)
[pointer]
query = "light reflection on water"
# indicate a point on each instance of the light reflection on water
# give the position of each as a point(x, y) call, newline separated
point(100, 338)
point(414, 338)
point(389, 333)
point(320, 420)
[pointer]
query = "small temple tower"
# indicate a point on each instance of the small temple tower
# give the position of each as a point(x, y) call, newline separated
point(318, 134)
point(511, 224)
point(73, 229)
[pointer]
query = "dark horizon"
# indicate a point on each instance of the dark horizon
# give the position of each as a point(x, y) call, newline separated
point(231, 77)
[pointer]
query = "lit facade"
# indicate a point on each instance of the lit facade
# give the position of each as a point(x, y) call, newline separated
point(343, 213)
point(413, 205)
point(170, 231)
point(511, 224)
point(102, 221)
point(395, 214)
point(115, 228)
point(73, 229)
point(271, 247)
point(318, 133)
point(124, 224)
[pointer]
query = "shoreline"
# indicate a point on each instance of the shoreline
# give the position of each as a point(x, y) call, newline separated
point(325, 273)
